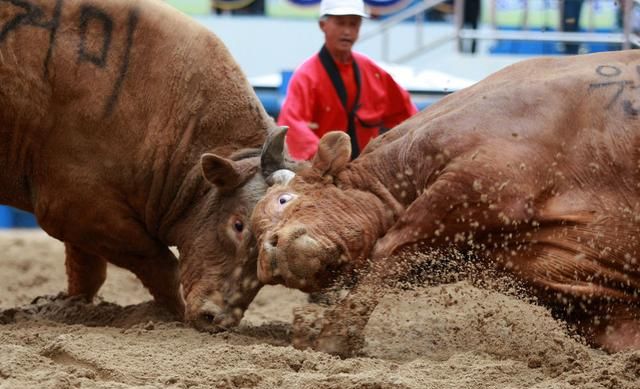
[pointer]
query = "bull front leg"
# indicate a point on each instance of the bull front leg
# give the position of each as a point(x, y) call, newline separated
point(158, 272)
point(85, 272)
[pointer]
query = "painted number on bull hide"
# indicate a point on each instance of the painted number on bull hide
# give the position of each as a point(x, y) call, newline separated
point(88, 15)
point(132, 22)
point(32, 15)
point(610, 72)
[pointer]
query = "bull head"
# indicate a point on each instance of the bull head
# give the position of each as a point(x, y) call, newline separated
point(221, 283)
point(284, 222)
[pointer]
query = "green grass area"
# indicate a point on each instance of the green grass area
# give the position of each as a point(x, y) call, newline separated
point(286, 9)
point(510, 13)
point(541, 14)
point(192, 7)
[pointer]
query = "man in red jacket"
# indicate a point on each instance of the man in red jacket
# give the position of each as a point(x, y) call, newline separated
point(339, 89)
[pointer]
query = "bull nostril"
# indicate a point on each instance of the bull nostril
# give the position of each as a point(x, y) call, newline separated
point(208, 322)
point(207, 317)
point(273, 240)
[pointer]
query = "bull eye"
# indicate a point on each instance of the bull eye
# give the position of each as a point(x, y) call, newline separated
point(284, 198)
point(238, 225)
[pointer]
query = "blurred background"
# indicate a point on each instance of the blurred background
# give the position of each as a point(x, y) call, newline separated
point(431, 47)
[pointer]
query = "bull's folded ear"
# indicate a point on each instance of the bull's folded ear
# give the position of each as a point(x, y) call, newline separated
point(224, 173)
point(334, 153)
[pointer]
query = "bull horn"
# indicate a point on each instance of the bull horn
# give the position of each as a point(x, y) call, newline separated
point(280, 176)
point(273, 152)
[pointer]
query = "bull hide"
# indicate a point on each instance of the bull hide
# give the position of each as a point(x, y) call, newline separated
point(535, 169)
point(105, 111)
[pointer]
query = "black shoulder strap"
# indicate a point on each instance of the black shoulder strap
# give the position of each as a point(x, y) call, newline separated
point(332, 70)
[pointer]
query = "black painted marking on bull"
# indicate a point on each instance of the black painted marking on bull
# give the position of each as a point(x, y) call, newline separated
point(627, 105)
point(32, 12)
point(89, 13)
point(55, 22)
point(33, 16)
point(614, 71)
point(131, 27)
point(608, 70)
point(620, 84)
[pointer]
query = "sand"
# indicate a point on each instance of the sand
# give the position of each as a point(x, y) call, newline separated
point(445, 336)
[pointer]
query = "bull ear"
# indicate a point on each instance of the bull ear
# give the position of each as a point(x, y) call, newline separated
point(273, 152)
point(222, 172)
point(334, 153)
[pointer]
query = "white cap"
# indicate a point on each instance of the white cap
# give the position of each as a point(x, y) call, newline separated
point(342, 7)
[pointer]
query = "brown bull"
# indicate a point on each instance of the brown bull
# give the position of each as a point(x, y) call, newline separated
point(536, 169)
point(105, 111)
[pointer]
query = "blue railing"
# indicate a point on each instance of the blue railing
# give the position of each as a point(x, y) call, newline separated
point(15, 218)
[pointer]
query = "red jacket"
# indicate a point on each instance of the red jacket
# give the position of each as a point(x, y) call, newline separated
point(312, 106)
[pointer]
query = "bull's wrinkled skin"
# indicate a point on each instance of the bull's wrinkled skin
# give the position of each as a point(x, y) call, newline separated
point(106, 111)
point(536, 168)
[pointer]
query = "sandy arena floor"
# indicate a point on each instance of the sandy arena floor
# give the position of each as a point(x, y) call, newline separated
point(452, 336)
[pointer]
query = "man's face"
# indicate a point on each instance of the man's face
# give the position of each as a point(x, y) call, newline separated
point(340, 32)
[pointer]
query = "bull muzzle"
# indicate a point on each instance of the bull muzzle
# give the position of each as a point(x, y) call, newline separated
point(290, 256)
point(213, 319)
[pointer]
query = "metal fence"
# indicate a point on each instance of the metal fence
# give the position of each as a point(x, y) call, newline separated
point(620, 34)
